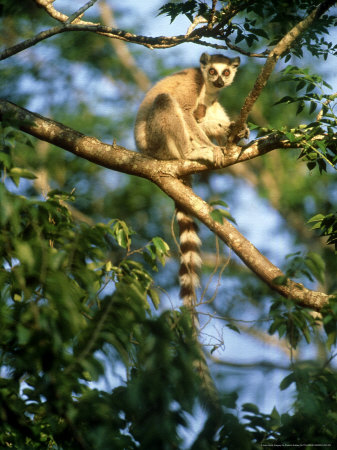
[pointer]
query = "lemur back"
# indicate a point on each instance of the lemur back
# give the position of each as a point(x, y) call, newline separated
point(180, 118)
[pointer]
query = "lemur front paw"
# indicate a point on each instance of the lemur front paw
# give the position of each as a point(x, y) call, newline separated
point(214, 155)
point(243, 133)
point(218, 156)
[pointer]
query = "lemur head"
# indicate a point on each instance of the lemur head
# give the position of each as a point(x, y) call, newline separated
point(218, 70)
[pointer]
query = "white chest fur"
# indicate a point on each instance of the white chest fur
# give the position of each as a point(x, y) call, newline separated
point(214, 120)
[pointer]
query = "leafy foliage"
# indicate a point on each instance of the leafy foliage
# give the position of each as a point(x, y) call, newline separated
point(57, 321)
point(189, 8)
point(327, 225)
point(291, 321)
point(316, 393)
point(311, 266)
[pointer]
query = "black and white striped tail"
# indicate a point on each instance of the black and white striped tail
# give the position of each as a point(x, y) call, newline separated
point(190, 261)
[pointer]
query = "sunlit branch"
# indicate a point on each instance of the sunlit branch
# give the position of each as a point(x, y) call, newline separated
point(166, 175)
point(48, 6)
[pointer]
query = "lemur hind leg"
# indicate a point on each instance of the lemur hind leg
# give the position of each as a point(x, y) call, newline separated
point(202, 148)
point(167, 137)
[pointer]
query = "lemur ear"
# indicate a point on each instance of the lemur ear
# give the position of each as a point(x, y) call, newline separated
point(236, 61)
point(204, 59)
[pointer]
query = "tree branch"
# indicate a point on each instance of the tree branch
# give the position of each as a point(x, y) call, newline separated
point(114, 33)
point(48, 6)
point(165, 174)
point(81, 11)
point(73, 23)
point(280, 48)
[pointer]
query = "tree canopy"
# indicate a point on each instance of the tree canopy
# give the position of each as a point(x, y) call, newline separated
point(96, 350)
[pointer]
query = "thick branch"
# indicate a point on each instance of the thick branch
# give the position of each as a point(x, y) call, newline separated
point(244, 249)
point(164, 174)
point(281, 47)
point(124, 160)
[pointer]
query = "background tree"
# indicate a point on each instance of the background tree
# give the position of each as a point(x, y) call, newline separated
point(95, 349)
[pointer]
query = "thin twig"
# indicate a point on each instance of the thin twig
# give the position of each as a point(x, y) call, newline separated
point(244, 52)
point(48, 6)
point(197, 20)
point(81, 11)
point(326, 103)
point(210, 278)
point(322, 156)
point(212, 18)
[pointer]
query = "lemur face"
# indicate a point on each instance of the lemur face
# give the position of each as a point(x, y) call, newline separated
point(218, 70)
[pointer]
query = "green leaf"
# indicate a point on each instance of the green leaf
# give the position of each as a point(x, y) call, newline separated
point(253, 126)
point(300, 107)
point(219, 214)
point(233, 327)
point(287, 381)
point(25, 253)
point(316, 265)
point(160, 245)
point(155, 299)
point(316, 218)
point(291, 137)
point(250, 407)
point(6, 160)
point(22, 173)
point(322, 146)
point(216, 215)
point(286, 99)
point(220, 203)
point(313, 107)
point(122, 233)
point(306, 334)
point(280, 280)
point(60, 195)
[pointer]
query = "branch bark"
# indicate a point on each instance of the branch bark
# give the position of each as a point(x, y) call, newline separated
point(166, 175)
point(48, 6)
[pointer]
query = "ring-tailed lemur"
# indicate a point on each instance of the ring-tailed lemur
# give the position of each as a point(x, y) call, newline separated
point(181, 118)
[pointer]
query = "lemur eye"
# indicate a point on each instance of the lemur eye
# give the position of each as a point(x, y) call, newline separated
point(226, 72)
point(212, 71)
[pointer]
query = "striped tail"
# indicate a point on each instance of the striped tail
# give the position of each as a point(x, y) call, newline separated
point(190, 262)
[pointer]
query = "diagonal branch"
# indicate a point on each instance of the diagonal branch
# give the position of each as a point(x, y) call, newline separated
point(48, 6)
point(81, 11)
point(280, 48)
point(165, 175)
point(124, 160)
